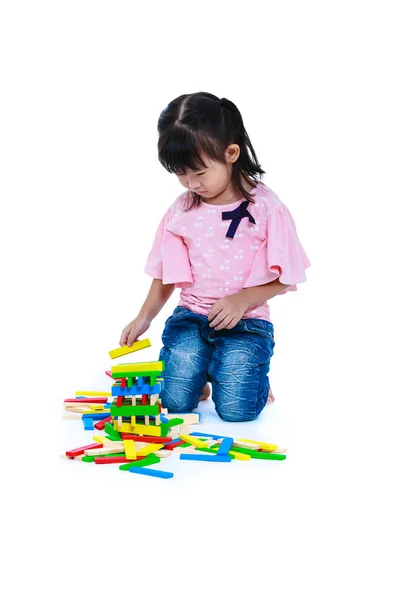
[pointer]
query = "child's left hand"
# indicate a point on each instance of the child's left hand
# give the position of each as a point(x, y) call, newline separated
point(226, 312)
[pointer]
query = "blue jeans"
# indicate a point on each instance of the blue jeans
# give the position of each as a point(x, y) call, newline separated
point(235, 361)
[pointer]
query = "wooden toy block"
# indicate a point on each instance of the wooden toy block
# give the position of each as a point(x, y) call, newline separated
point(163, 453)
point(130, 450)
point(146, 438)
point(187, 418)
point(86, 400)
point(157, 420)
point(193, 441)
point(232, 453)
point(71, 416)
point(104, 450)
point(101, 424)
point(147, 420)
point(225, 446)
point(144, 399)
point(135, 390)
point(100, 439)
point(262, 445)
point(173, 444)
point(123, 350)
point(262, 455)
point(210, 435)
point(138, 367)
point(184, 429)
point(77, 451)
point(150, 449)
point(95, 394)
point(248, 445)
point(151, 472)
point(173, 422)
point(88, 424)
point(88, 458)
point(133, 421)
point(128, 411)
point(105, 460)
point(147, 430)
point(144, 462)
point(153, 398)
point(109, 429)
point(206, 458)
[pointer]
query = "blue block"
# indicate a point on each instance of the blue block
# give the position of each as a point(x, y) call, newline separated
point(96, 416)
point(135, 390)
point(163, 418)
point(225, 446)
point(151, 472)
point(206, 457)
point(88, 424)
point(108, 405)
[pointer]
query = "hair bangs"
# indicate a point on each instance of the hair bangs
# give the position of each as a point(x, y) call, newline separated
point(182, 149)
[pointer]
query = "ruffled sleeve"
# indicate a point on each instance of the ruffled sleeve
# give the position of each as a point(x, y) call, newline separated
point(168, 258)
point(281, 254)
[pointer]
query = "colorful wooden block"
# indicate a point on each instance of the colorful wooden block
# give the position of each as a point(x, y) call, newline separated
point(151, 472)
point(90, 393)
point(206, 457)
point(225, 446)
point(130, 449)
point(123, 350)
point(193, 441)
point(144, 462)
point(77, 451)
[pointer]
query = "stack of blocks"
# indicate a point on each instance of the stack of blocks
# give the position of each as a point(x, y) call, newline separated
point(137, 429)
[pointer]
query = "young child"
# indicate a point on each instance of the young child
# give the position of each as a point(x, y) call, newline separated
point(230, 244)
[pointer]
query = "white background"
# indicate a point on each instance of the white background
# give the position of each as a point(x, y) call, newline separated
point(82, 191)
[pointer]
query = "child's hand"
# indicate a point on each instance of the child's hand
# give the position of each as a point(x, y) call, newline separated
point(226, 312)
point(134, 330)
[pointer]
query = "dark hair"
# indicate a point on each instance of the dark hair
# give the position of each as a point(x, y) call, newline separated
point(201, 122)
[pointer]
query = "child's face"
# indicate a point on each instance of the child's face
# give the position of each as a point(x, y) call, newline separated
point(213, 180)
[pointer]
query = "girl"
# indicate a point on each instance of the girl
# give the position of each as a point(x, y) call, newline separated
point(230, 244)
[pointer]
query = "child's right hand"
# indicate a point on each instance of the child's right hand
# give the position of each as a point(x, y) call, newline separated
point(133, 330)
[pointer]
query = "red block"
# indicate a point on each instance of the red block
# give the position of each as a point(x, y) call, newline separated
point(78, 451)
point(105, 460)
point(100, 424)
point(173, 445)
point(88, 400)
point(119, 400)
point(123, 382)
point(146, 438)
point(144, 399)
point(109, 374)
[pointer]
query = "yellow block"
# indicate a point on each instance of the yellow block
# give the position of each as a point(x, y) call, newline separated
point(97, 407)
point(194, 441)
point(262, 445)
point(137, 367)
point(100, 439)
point(88, 411)
point(89, 393)
point(239, 455)
point(124, 428)
point(129, 449)
point(133, 421)
point(123, 350)
point(149, 449)
point(146, 430)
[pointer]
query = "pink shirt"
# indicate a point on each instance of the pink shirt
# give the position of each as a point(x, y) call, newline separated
point(190, 249)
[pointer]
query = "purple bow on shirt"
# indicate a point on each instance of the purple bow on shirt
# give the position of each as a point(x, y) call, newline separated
point(236, 216)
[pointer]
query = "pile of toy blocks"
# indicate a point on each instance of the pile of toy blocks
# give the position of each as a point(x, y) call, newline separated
point(139, 432)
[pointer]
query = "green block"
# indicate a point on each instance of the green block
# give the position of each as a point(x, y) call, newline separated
point(114, 435)
point(151, 459)
point(133, 411)
point(87, 458)
point(260, 455)
point(164, 429)
point(115, 454)
point(173, 422)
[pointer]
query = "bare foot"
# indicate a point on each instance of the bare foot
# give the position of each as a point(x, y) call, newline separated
point(271, 397)
point(206, 392)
